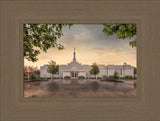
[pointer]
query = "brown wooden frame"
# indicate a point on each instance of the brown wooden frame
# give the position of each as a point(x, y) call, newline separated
point(144, 107)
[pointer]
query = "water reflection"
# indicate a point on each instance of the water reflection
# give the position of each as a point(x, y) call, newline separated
point(109, 86)
point(80, 88)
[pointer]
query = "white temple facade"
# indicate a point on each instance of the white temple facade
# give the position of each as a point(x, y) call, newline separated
point(75, 69)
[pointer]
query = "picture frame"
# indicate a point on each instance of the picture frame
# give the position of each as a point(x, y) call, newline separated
point(146, 106)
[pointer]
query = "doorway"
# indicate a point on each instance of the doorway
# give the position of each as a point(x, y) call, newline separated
point(74, 74)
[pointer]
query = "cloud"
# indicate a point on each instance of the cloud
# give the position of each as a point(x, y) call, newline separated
point(91, 46)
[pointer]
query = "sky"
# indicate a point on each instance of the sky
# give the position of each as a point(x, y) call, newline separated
point(91, 45)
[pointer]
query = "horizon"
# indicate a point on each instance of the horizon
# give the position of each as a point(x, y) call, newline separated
point(80, 63)
point(91, 45)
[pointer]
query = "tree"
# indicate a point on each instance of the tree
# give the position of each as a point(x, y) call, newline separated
point(32, 75)
point(115, 76)
point(52, 68)
point(30, 69)
point(41, 37)
point(25, 70)
point(135, 72)
point(94, 69)
point(122, 31)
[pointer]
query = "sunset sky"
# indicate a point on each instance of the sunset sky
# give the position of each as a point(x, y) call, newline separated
point(91, 46)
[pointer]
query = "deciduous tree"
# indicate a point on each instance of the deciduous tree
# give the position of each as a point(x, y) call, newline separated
point(41, 37)
point(122, 31)
point(115, 76)
point(52, 68)
point(135, 72)
point(94, 69)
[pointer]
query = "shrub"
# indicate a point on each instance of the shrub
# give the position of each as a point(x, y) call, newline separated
point(38, 77)
point(104, 77)
point(99, 78)
point(94, 86)
point(34, 96)
point(110, 77)
point(32, 76)
point(128, 77)
point(53, 86)
point(81, 77)
point(25, 77)
point(67, 77)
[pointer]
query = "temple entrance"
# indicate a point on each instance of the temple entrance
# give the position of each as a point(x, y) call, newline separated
point(74, 74)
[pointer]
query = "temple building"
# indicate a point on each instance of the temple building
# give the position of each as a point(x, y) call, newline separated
point(75, 69)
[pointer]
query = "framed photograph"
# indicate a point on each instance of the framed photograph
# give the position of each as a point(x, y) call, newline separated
point(103, 50)
point(80, 60)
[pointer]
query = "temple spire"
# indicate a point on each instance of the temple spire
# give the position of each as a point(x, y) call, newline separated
point(74, 55)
